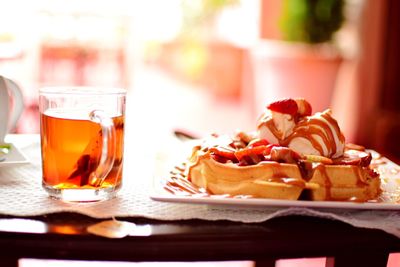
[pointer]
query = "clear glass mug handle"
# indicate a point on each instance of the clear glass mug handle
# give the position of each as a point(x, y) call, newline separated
point(108, 149)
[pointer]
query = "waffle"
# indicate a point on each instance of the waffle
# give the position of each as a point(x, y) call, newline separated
point(291, 181)
point(344, 182)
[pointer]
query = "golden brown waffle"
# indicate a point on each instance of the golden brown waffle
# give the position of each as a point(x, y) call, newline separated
point(269, 179)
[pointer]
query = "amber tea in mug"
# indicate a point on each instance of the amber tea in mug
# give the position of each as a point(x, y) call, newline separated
point(82, 136)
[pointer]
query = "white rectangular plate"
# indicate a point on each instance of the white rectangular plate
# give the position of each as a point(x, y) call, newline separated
point(14, 157)
point(390, 177)
point(267, 203)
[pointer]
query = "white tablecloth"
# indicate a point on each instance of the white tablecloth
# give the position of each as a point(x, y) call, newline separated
point(21, 194)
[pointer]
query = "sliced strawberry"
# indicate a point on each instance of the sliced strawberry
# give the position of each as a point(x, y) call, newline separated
point(286, 106)
point(219, 158)
point(253, 155)
point(304, 107)
point(251, 151)
point(244, 162)
point(247, 161)
point(258, 142)
point(223, 152)
point(269, 148)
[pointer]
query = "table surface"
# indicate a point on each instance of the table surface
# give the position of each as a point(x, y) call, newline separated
point(64, 235)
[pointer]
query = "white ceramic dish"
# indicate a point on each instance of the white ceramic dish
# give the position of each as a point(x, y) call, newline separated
point(268, 203)
point(14, 158)
point(390, 199)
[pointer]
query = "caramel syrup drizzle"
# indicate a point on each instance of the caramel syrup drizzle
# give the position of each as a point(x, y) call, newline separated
point(272, 127)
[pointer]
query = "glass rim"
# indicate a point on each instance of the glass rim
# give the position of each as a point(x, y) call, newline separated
point(81, 90)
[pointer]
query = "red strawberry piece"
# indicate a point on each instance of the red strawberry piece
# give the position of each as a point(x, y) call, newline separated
point(258, 142)
point(245, 161)
point(223, 152)
point(253, 155)
point(219, 158)
point(286, 106)
point(250, 151)
point(269, 148)
point(304, 107)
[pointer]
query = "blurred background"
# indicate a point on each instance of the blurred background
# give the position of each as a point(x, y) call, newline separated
point(213, 65)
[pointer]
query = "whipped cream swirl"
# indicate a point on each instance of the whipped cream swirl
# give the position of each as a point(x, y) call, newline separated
point(318, 134)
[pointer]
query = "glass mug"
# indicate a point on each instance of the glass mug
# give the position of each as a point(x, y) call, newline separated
point(82, 142)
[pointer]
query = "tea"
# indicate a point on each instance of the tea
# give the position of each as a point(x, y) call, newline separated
point(71, 150)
